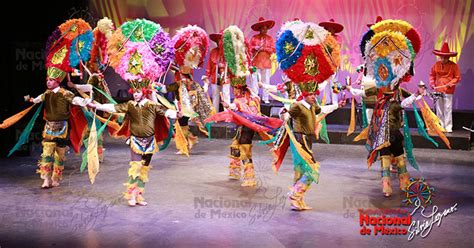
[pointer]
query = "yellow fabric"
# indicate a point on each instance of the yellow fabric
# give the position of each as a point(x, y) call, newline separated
point(138, 151)
point(93, 165)
point(180, 140)
point(45, 168)
point(59, 157)
point(352, 123)
point(135, 169)
point(15, 118)
point(245, 151)
point(364, 134)
point(307, 157)
point(433, 124)
point(144, 173)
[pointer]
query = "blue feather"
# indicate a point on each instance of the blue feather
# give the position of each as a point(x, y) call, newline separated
point(285, 59)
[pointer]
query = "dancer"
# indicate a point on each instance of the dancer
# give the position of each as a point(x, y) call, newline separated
point(300, 52)
point(62, 56)
point(190, 44)
point(244, 111)
point(140, 62)
point(390, 67)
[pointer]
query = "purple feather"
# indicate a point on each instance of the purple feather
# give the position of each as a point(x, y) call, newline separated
point(163, 48)
point(51, 40)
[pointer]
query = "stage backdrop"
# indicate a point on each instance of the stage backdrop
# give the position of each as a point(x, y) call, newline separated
point(436, 20)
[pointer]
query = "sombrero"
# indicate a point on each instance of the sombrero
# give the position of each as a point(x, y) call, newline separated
point(261, 23)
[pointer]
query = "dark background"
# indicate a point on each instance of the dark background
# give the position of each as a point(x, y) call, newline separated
point(26, 28)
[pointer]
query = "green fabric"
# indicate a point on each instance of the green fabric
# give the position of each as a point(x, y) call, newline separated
point(301, 166)
point(365, 121)
point(109, 97)
point(100, 130)
point(167, 141)
point(208, 127)
point(23, 139)
point(408, 143)
point(421, 126)
point(323, 132)
point(266, 142)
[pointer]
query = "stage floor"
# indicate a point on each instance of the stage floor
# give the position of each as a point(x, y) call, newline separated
point(193, 204)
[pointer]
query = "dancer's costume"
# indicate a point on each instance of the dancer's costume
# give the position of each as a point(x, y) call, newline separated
point(96, 65)
point(262, 46)
point(245, 110)
point(140, 53)
point(190, 44)
point(389, 49)
point(309, 55)
point(334, 28)
point(215, 72)
point(365, 81)
point(63, 54)
point(443, 79)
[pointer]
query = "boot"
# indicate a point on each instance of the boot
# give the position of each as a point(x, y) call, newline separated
point(249, 172)
point(144, 178)
point(403, 175)
point(133, 182)
point(296, 197)
point(386, 162)
point(234, 169)
point(235, 163)
point(59, 158)
point(46, 164)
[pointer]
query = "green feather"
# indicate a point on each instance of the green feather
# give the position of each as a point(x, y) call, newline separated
point(23, 139)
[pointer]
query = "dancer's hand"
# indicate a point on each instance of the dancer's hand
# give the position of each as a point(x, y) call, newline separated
point(179, 114)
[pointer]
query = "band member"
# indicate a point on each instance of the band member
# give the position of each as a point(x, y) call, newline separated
point(262, 46)
point(444, 77)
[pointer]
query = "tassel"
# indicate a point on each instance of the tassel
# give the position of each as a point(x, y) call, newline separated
point(421, 126)
point(352, 123)
point(408, 143)
point(26, 133)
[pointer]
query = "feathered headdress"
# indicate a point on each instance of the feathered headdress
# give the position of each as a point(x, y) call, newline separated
point(307, 53)
point(236, 55)
point(68, 47)
point(389, 49)
point(140, 51)
point(102, 34)
point(190, 44)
